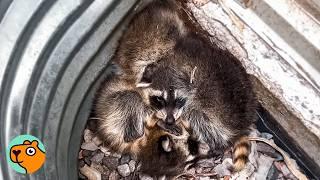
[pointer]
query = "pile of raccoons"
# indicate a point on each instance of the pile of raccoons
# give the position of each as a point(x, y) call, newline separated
point(173, 93)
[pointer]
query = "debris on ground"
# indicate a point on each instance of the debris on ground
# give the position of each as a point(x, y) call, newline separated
point(266, 161)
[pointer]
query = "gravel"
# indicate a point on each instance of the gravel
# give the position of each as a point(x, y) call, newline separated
point(125, 159)
point(97, 158)
point(206, 162)
point(97, 161)
point(110, 162)
point(114, 175)
point(89, 146)
point(132, 165)
point(124, 170)
point(145, 177)
point(87, 135)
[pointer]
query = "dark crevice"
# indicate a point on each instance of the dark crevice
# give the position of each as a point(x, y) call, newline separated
point(266, 123)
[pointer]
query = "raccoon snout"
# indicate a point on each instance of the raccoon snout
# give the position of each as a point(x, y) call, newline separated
point(170, 120)
point(161, 114)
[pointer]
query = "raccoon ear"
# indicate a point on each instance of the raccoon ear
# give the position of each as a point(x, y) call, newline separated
point(147, 74)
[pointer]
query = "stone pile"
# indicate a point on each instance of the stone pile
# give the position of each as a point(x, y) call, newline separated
point(96, 162)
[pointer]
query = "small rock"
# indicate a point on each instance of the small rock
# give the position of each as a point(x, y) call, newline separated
point(204, 178)
point(106, 170)
point(191, 171)
point(206, 170)
point(132, 165)
point(124, 159)
point(114, 175)
point(87, 135)
point(86, 153)
point(80, 156)
point(273, 173)
point(227, 154)
point(90, 173)
point(105, 150)
point(89, 146)
point(87, 161)
point(206, 162)
point(130, 177)
point(95, 152)
point(283, 168)
point(138, 166)
point(269, 151)
point(97, 167)
point(224, 168)
point(81, 163)
point(264, 165)
point(218, 161)
point(97, 158)
point(124, 170)
point(97, 141)
point(266, 135)
point(145, 177)
point(198, 170)
point(116, 155)
point(110, 162)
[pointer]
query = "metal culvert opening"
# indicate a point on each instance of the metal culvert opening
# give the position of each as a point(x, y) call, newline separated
point(53, 58)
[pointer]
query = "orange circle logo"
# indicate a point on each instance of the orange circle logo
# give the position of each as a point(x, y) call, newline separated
point(26, 154)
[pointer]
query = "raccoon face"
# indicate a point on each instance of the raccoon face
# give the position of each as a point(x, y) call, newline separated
point(168, 104)
point(167, 91)
point(165, 154)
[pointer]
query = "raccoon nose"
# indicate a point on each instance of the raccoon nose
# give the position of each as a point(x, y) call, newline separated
point(16, 152)
point(170, 120)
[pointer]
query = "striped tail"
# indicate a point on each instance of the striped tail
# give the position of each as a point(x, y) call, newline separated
point(241, 153)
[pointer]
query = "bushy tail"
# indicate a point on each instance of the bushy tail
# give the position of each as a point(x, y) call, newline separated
point(241, 153)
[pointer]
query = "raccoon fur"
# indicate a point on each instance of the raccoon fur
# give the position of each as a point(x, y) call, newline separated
point(206, 89)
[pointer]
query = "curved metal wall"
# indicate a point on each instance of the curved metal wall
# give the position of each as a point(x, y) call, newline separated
point(52, 53)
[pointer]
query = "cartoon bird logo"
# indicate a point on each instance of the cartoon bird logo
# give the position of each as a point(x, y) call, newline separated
point(28, 155)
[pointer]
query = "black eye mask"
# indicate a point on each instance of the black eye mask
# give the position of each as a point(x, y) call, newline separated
point(157, 102)
point(172, 129)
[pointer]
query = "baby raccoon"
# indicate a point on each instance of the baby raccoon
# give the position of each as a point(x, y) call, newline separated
point(172, 73)
point(162, 153)
point(207, 90)
point(119, 106)
point(128, 125)
point(120, 112)
point(150, 35)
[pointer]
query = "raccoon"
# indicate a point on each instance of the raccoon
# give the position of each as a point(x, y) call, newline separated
point(207, 90)
point(150, 35)
point(120, 112)
point(119, 105)
point(174, 74)
point(162, 153)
